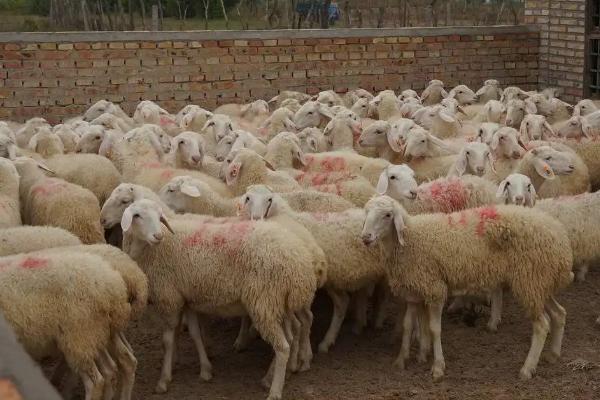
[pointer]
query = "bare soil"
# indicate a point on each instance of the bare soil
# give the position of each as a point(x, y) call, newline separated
point(480, 365)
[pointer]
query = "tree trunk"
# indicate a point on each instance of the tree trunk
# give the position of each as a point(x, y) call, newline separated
point(499, 18)
point(121, 15)
point(206, 4)
point(225, 14)
point(86, 24)
point(143, 11)
point(325, 14)
point(130, 11)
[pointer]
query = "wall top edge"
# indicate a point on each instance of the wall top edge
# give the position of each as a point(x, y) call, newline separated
point(38, 37)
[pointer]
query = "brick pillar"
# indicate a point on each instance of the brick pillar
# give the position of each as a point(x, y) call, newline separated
point(562, 41)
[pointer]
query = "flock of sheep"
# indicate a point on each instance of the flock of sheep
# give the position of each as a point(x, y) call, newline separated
point(247, 210)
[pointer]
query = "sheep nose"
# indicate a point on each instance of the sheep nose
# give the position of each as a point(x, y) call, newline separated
point(196, 158)
point(480, 170)
point(78, 151)
point(518, 200)
point(159, 236)
point(220, 159)
point(360, 141)
point(413, 194)
point(102, 221)
point(572, 167)
point(516, 154)
point(509, 122)
point(367, 238)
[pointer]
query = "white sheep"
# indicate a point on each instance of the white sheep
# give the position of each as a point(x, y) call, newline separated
point(506, 151)
point(312, 140)
point(330, 98)
point(312, 114)
point(25, 239)
point(46, 143)
point(267, 284)
point(513, 93)
point(111, 121)
point(584, 107)
point(217, 126)
point(433, 93)
point(289, 94)
point(96, 140)
point(343, 131)
point(194, 119)
point(282, 119)
point(579, 215)
point(55, 202)
point(351, 267)
point(250, 111)
point(480, 248)
point(516, 110)
point(489, 91)
point(68, 136)
point(187, 150)
point(8, 148)
point(105, 107)
point(37, 298)
point(472, 159)
point(579, 126)
point(26, 132)
point(239, 139)
point(463, 95)
point(535, 127)
point(486, 132)
point(387, 138)
point(148, 112)
point(10, 208)
point(553, 109)
point(407, 94)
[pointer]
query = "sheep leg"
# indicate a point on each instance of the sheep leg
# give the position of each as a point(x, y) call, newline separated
point(496, 310)
point(291, 329)
point(243, 337)
point(64, 378)
point(558, 317)
point(340, 306)
point(108, 369)
point(127, 363)
point(581, 272)
point(360, 311)
point(396, 332)
point(382, 292)
point(541, 326)
point(435, 328)
point(424, 334)
point(195, 333)
point(457, 304)
point(407, 330)
point(274, 333)
point(306, 355)
point(93, 383)
point(168, 338)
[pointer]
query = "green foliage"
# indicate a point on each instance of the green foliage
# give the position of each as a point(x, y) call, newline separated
point(12, 5)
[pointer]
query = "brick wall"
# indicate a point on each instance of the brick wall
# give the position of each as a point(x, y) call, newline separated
point(59, 75)
point(562, 42)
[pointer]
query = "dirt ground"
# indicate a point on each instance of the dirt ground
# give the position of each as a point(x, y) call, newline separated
point(480, 365)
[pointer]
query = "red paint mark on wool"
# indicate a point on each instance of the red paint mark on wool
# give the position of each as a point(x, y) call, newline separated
point(154, 164)
point(221, 233)
point(448, 195)
point(167, 174)
point(319, 179)
point(48, 187)
point(33, 263)
point(486, 214)
point(165, 121)
point(309, 159)
point(330, 164)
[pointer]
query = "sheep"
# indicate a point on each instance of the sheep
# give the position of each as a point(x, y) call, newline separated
point(26, 132)
point(410, 108)
point(10, 208)
point(283, 151)
point(217, 126)
point(353, 96)
point(6, 131)
point(68, 137)
point(535, 127)
point(578, 214)
point(37, 298)
point(580, 126)
point(463, 95)
point(46, 143)
point(280, 120)
point(441, 195)
point(584, 107)
point(55, 202)
point(498, 238)
point(407, 94)
point(516, 110)
point(388, 107)
point(330, 98)
point(575, 181)
point(553, 109)
point(195, 119)
point(148, 112)
point(343, 131)
point(26, 239)
point(291, 104)
point(588, 151)
point(493, 111)
point(246, 168)
point(433, 93)
point(544, 163)
point(486, 132)
point(110, 121)
point(96, 139)
point(236, 140)
point(106, 107)
point(387, 138)
point(250, 111)
point(444, 123)
point(312, 140)
point(289, 94)
point(427, 155)
point(348, 270)
point(507, 153)
point(312, 114)
point(362, 108)
point(472, 159)
point(354, 188)
point(187, 150)
point(270, 283)
point(489, 91)
point(513, 93)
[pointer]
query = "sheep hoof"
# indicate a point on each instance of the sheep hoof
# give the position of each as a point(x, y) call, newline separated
point(304, 366)
point(206, 375)
point(552, 358)
point(274, 397)
point(324, 348)
point(580, 276)
point(266, 383)
point(400, 363)
point(161, 387)
point(437, 371)
point(492, 326)
point(525, 374)
point(240, 345)
point(422, 358)
point(598, 321)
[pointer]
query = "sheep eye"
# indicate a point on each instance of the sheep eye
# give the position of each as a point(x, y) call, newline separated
point(529, 187)
point(548, 158)
point(481, 132)
point(423, 141)
point(388, 215)
point(310, 113)
point(125, 201)
point(501, 138)
point(97, 137)
point(392, 177)
point(582, 107)
point(460, 92)
point(378, 132)
point(270, 200)
point(364, 106)
point(331, 104)
point(468, 153)
point(181, 142)
point(136, 215)
point(230, 127)
point(246, 199)
point(211, 124)
point(522, 109)
point(171, 190)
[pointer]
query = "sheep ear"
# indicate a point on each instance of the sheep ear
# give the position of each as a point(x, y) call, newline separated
point(530, 107)
point(43, 167)
point(106, 146)
point(269, 165)
point(444, 93)
point(12, 151)
point(273, 99)
point(399, 224)
point(325, 111)
point(446, 116)
point(481, 91)
point(245, 109)
point(32, 143)
point(543, 169)
point(126, 219)
point(438, 142)
point(531, 197)
point(382, 183)
point(190, 190)
point(586, 128)
point(523, 131)
point(548, 127)
point(501, 192)
point(146, 114)
point(165, 222)
point(461, 162)
point(312, 144)
point(290, 125)
point(393, 141)
point(462, 111)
